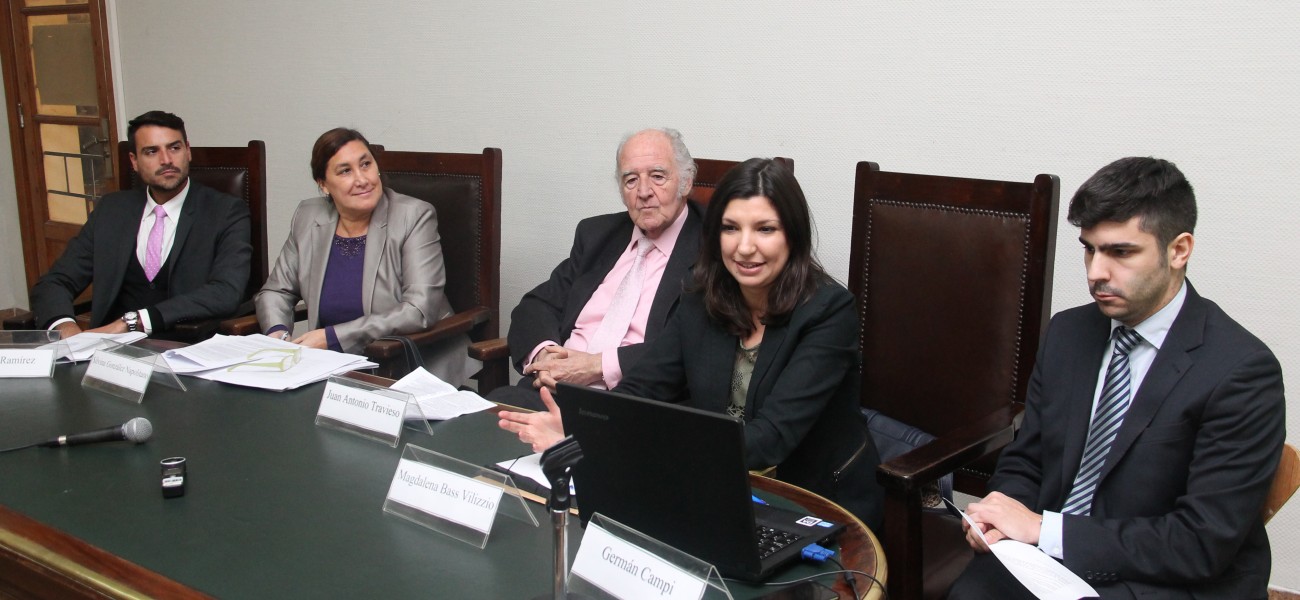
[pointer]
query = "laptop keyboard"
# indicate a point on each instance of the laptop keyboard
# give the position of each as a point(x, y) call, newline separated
point(771, 541)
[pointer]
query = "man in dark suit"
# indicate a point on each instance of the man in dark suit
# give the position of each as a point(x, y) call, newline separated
point(556, 331)
point(1146, 454)
point(173, 252)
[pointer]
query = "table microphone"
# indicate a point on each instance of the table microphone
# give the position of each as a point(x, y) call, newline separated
point(137, 430)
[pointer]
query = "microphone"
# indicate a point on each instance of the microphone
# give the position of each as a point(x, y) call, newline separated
point(136, 430)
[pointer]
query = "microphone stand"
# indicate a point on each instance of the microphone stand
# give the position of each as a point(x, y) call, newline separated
point(557, 464)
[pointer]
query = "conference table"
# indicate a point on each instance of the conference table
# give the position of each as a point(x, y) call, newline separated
point(275, 506)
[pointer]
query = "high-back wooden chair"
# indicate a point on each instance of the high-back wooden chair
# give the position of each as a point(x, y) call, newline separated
point(708, 173)
point(953, 279)
point(465, 189)
point(236, 170)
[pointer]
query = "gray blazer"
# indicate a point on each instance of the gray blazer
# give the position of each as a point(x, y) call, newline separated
point(402, 282)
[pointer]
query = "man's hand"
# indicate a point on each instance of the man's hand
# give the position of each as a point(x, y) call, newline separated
point(1002, 517)
point(313, 339)
point(68, 329)
point(541, 430)
point(114, 326)
point(554, 364)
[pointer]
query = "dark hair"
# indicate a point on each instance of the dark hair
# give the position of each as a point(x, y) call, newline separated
point(158, 118)
point(1149, 188)
point(802, 273)
point(328, 144)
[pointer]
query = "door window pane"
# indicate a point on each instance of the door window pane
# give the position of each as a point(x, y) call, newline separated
point(63, 64)
point(76, 170)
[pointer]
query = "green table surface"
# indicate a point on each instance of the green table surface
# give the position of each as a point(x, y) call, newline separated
point(275, 506)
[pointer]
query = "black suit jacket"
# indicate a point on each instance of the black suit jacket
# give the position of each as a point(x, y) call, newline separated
point(209, 260)
point(1177, 509)
point(550, 310)
point(801, 411)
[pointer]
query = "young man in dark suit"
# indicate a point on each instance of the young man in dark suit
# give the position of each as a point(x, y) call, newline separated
point(172, 252)
point(1153, 424)
point(556, 331)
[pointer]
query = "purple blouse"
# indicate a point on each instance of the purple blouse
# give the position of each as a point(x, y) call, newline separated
point(340, 299)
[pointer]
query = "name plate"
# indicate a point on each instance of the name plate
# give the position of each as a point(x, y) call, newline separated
point(364, 409)
point(119, 370)
point(445, 495)
point(26, 363)
point(626, 571)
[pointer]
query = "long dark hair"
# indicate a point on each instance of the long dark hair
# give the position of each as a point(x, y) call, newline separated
point(802, 273)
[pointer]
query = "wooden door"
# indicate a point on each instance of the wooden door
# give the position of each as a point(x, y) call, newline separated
point(59, 96)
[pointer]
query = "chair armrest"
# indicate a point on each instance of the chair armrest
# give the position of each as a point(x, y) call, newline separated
point(461, 322)
point(951, 450)
point(489, 350)
point(245, 325)
point(18, 319)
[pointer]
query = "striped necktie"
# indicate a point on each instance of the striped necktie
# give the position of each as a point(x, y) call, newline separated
point(1114, 402)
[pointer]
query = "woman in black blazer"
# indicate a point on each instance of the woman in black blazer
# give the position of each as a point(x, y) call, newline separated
point(765, 335)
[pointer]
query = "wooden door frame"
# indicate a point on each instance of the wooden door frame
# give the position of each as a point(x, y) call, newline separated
point(33, 216)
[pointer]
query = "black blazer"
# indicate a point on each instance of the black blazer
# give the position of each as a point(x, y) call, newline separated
point(1177, 508)
point(209, 260)
point(550, 310)
point(801, 412)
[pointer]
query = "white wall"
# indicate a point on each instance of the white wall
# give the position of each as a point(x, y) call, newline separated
point(993, 89)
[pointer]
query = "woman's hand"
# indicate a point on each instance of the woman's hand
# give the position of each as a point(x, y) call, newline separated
point(313, 339)
point(541, 430)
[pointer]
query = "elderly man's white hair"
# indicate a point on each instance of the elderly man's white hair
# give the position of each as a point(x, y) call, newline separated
point(685, 164)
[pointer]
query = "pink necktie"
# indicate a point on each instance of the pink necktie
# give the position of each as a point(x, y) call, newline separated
point(613, 328)
point(153, 251)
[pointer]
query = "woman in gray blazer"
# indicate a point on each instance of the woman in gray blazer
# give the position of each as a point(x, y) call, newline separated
point(365, 259)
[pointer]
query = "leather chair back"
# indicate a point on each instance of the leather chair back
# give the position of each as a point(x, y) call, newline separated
point(709, 171)
point(238, 171)
point(953, 279)
point(465, 190)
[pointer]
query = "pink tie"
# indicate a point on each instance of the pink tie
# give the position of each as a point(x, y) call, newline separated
point(153, 251)
point(613, 328)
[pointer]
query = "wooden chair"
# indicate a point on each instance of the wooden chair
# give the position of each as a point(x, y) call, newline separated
point(465, 189)
point(239, 171)
point(708, 173)
point(953, 279)
point(1285, 481)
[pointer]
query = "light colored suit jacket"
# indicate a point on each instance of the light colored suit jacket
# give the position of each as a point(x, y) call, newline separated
point(402, 282)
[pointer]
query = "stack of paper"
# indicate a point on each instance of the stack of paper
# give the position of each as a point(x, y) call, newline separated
point(262, 362)
point(438, 399)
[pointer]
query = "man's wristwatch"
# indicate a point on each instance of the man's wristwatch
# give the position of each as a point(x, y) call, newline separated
point(132, 320)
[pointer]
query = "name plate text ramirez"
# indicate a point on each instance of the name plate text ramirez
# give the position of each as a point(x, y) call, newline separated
point(627, 571)
point(119, 370)
point(358, 407)
point(446, 495)
point(26, 363)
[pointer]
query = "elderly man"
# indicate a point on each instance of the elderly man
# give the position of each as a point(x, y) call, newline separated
point(172, 252)
point(1153, 423)
point(591, 320)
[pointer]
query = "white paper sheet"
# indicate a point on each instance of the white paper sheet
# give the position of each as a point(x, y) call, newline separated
point(314, 365)
point(219, 351)
point(1038, 572)
point(438, 399)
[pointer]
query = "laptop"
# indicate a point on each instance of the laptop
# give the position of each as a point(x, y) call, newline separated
point(678, 475)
